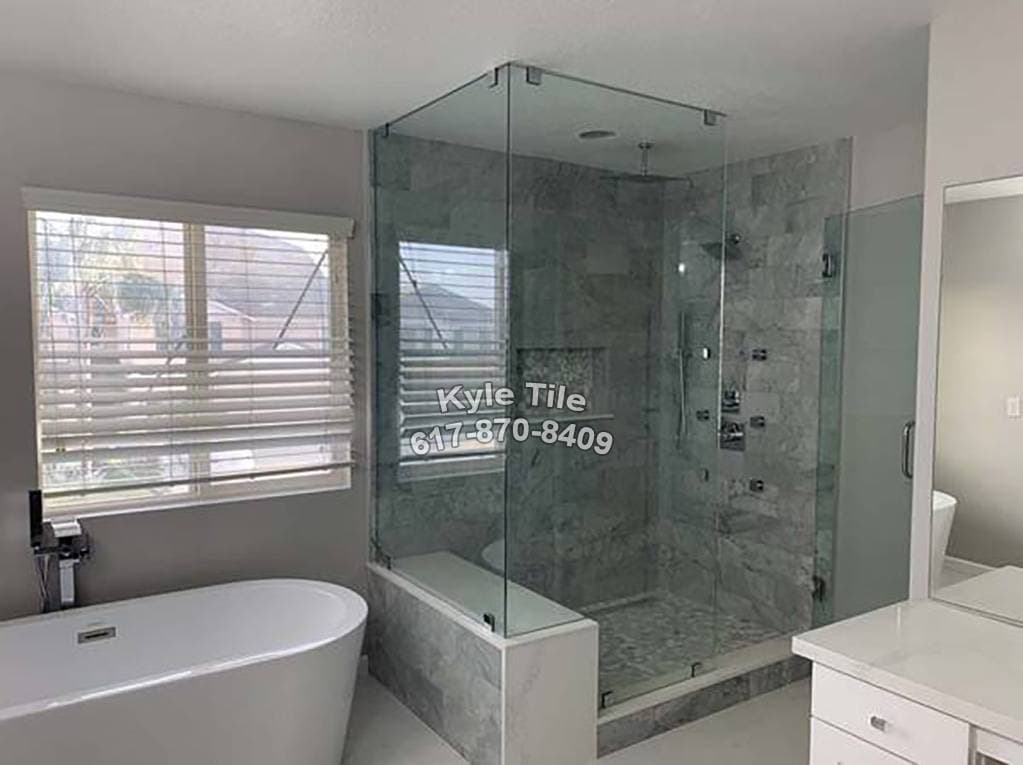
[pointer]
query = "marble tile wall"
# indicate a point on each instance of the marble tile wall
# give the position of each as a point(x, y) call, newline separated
point(777, 298)
point(447, 674)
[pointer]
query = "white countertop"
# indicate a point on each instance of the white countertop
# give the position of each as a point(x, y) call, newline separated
point(966, 665)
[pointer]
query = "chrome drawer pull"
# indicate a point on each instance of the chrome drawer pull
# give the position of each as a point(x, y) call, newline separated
point(878, 723)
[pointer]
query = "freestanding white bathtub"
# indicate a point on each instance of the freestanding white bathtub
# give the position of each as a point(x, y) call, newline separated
point(252, 673)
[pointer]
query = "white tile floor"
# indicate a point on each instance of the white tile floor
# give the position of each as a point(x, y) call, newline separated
point(383, 731)
point(772, 729)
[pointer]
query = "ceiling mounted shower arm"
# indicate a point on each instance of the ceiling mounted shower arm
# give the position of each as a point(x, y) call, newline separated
point(644, 158)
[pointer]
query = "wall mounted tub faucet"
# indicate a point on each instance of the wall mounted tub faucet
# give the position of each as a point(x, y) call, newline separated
point(60, 538)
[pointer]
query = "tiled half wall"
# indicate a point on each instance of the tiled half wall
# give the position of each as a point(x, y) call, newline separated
point(495, 700)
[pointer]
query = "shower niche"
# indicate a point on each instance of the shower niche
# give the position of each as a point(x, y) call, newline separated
point(536, 229)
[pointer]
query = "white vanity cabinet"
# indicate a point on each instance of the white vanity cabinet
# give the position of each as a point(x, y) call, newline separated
point(830, 745)
point(919, 682)
point(995, 750)
point(885, 723)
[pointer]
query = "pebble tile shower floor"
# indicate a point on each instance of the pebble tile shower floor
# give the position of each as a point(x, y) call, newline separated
point(656, 640)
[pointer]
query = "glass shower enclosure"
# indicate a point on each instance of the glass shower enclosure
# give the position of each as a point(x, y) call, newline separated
point(574, 371)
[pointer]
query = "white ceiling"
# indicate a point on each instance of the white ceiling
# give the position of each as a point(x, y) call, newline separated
point(546, 121)
point(789, 72)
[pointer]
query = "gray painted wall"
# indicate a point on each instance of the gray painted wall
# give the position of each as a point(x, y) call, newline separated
point(975, 59)
point(85, 139)
point(979, 450)
point(887, 165)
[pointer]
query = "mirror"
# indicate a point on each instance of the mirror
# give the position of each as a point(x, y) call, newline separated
point(977, 500)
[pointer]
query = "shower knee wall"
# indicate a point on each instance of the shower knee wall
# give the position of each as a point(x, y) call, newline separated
point(495, 700)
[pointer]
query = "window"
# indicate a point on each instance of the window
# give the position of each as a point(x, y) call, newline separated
point(187, 353)
point(452, 332)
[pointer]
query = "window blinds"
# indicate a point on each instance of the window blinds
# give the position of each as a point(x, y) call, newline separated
point(452, 332)
point(177, 360)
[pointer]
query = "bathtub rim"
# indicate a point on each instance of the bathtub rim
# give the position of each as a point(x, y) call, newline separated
point(200, 669)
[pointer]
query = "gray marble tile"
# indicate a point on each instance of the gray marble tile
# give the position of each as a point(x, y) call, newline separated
point(776, 298)
point(777, 675)
point(766, 583)
point(620, 732)
point(447, 675)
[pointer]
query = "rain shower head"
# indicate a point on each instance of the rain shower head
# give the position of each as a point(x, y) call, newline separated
point(644, 175)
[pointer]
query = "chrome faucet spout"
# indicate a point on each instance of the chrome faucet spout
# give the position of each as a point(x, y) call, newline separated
point(65, 540)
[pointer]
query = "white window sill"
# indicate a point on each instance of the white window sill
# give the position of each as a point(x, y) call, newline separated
point(191, 502)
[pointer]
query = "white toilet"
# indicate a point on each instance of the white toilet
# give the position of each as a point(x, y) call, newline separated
point(943, 510)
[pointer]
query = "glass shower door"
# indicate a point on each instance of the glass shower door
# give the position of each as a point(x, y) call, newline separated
point(873, 358)
point(615, 279)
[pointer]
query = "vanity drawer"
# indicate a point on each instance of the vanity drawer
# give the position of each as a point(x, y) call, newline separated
point(912, 731)
point(831, 746)
point(997, 749)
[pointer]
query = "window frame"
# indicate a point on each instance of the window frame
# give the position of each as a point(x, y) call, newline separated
point(340, 231)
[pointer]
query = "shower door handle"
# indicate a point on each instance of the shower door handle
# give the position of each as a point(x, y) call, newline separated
point(829, 265)
point(907, 448)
